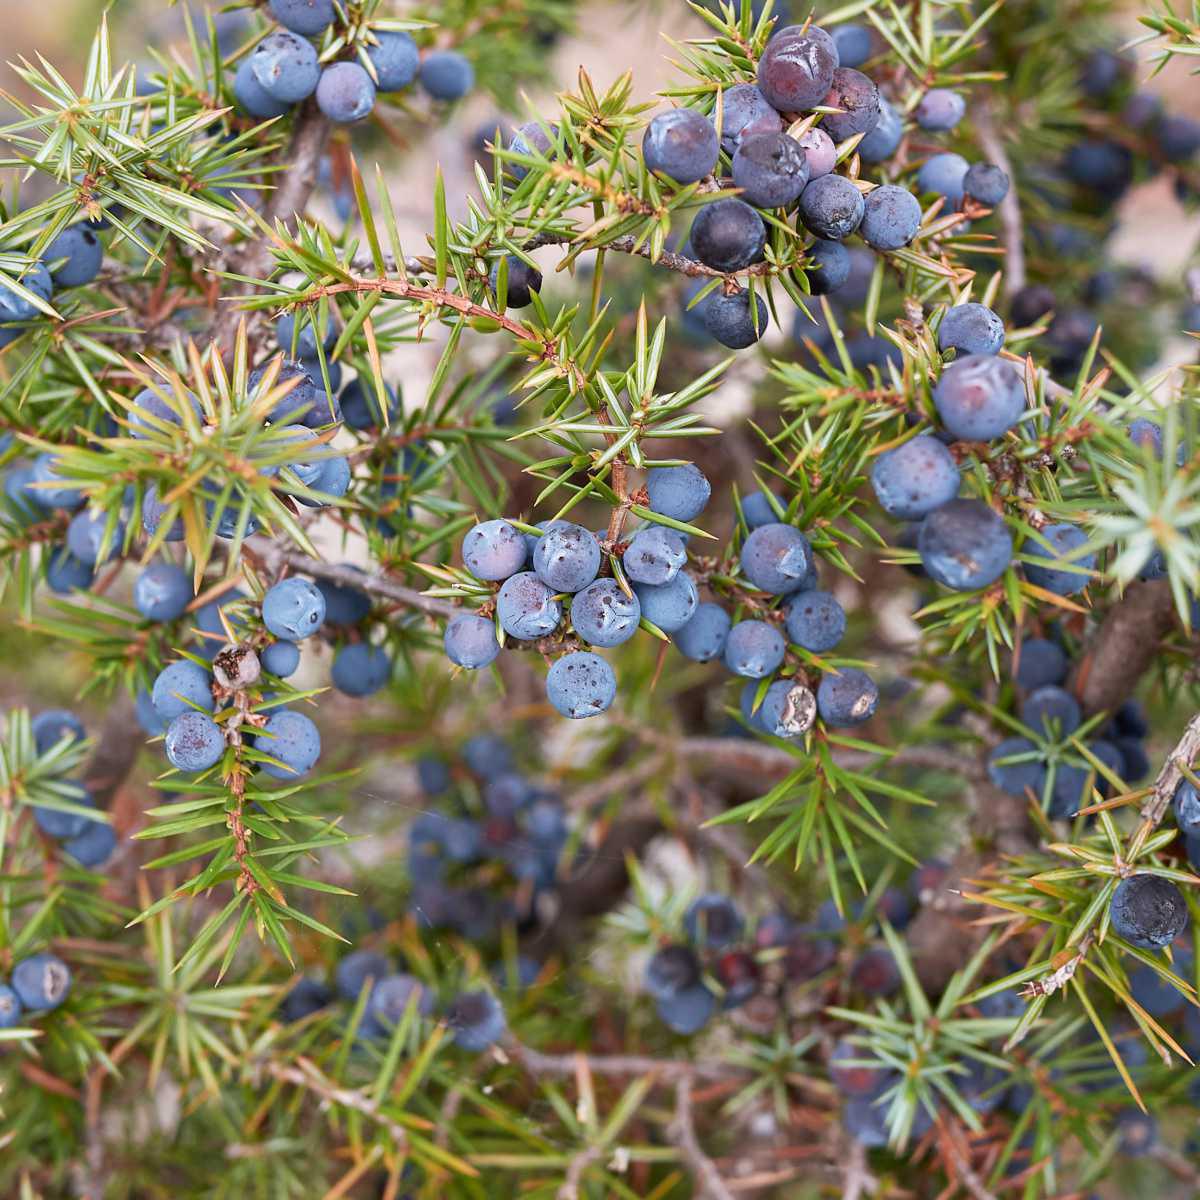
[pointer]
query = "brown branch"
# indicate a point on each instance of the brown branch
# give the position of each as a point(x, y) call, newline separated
point(308, 1076)
point(1012, 227)
point(709, 1184)
point(1124, 646)
point(275, 557)
point(1183, 756)
point(577, 1168)
point(295, 185)
point(742, 754)
point(115, 752)
point(665, 1071)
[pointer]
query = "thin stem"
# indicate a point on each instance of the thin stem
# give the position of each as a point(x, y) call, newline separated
point(683, 1133)
point(1012, 227)
point(274, 557)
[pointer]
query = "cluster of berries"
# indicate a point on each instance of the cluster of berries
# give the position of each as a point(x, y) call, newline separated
point(285, 68)
point(491, 849)
point(647, 584)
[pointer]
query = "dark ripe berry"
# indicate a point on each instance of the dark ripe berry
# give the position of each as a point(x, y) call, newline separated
point(986, 183)
point(915, 478)
point(828, 267)
point(285, 66)
point(1101, 72)
point(815, 621)
point(292, 740)
point(345, 92)
point(1187, 808)
point(687, 1012)
point(728, 318)
point(1052, 711)
point(1066, 571)
point(796, 68)
point(853, 44)
point(671, 970)
point(713, 921)
point(446, 75)
point(307, 17)
point(754, 649)
point(703, 638)
point(940, 110)
point(526, 607)
point(1131, 720)
point(654, 555)
point(1069, 338)
point(181, 687)
point(531, 139)
point(395, 59)
point(944, 174)
point(851, 1074)
point(669, 606)
point(603, 615)
point(361, 669)
point(567, 558)
point(487, 754)
point(1148, 911)
point(807, 955)
point(680, 144)
point(194, 742)
point(293, 608)
point(757, 509)
point(728, 235)
point(1100, 166)
point(1179, 138)
point(281, 658)
point(1041, 662)
point(52, 725)
point(522, 281)
point(971, 329)
point(831, 207)
point(848, 698)
point(581, 685)
point(745, 113)
point(476, 1020)
point(680, 493)
point(964, 545)
point(857, 97)
point(738, 973)
point(891, 217)
point(41, 982)
point(252, 98)
point(493, 550)
point(1033, 301)
point(1015, 766)
point(1133, 756)
point(392, 996)
point(771, 169)
point(875, 972)
point(979, 397)
point(788, 709)
point(82, 249)
point(882, 142)
point(820, 154)
point(776, 558)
